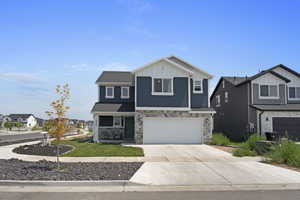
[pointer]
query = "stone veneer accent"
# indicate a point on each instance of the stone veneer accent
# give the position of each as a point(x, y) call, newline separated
point(111, 133)
point(139, 115)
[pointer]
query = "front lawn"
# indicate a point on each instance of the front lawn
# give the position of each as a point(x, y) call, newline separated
point(84, 148)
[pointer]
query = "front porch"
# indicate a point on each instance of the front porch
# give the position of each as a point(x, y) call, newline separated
point(115, 127)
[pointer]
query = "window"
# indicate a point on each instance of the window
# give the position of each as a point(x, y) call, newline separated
point(162, 86)
point(223, 83)
point(197, 86)
point(125, 92)
point(111, 121)
point(226, 97)
point(218, 100)
point(109, 92)
point(268, 91)
point(294, 92)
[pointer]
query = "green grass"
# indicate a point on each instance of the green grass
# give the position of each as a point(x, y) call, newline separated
point(240, 152)
point(85, 149)
point(220, 139)
point(286, 152)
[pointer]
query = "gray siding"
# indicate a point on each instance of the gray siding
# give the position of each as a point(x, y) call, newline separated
point(231, 118)
point(146, 99)
point(200, 100)
point(257, 100)
point(117, 94)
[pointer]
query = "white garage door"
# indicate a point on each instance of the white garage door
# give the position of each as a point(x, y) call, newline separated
point(172, 130)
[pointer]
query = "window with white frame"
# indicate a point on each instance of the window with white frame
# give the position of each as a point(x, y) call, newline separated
point(223, 83)
point(218, 100)
point(162, 86)
point(197, 86)
point(124, 92)
point(109, 92)
point(118, 122)
point(294, 93)
point(226, 97)
point(111, 121)
point(268, 91)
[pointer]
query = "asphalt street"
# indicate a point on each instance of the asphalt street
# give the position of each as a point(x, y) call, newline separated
point(224, 195)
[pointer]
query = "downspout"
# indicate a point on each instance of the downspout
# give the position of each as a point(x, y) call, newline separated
point(259, 116)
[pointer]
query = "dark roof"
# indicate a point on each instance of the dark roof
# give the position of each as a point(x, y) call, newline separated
point(202, 109)
point(113, 107)
point(286, 68)
point(235, 80)
point(284, 107)
point(263, 73)
point(116, 77)
point(17, 116)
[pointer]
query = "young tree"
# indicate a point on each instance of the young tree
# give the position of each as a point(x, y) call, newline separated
point(8, 125)
point(19, 125)
point(58, 121)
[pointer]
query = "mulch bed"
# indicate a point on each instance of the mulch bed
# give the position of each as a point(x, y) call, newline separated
point(15, 169)
point(38, 149)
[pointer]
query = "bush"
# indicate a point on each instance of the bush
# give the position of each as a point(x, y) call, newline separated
point(251, 142)
point(242, 151)
point(220, 139)
point(287, 152)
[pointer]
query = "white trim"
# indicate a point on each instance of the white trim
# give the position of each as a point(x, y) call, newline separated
point(201, 85)
point(114, 113)
point(189, 92)
point(162, 87)
point(218, 100)
point(226, 96)
point(114, 83)
point(164, 108)
point(204, 112)
point(125, 97)
point(269, 97)
point(113, 93)
point(135, 88)
point(288, 91)
point(162, 59)
point(209, 76)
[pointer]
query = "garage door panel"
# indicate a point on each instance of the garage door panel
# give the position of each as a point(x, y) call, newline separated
point(172, 130)
point(291, 125)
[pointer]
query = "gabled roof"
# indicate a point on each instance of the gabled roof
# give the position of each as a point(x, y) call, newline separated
point(263, 73)
point(286, 68)
point(176, 62)
point(116, 77)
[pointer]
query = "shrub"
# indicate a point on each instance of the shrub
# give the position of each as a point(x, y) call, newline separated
point(251, 142)
point(242, 151)
point(287, 152)
point(220, 139)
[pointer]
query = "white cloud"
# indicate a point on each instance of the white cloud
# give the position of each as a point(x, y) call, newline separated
point(136, 6)
point(20, 77)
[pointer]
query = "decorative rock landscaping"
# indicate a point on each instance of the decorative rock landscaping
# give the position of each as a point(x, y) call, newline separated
point(14, 169)
point(38, 149)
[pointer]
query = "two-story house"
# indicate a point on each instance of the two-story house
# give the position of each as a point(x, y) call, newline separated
point(28, 120)
point(165, 101)
point(266, 102)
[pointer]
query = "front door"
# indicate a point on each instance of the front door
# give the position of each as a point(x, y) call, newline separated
point(129, 128)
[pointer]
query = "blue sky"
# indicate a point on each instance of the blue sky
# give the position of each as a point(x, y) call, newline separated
point(45, 43)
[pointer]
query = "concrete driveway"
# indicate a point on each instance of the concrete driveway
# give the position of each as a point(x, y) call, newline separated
point(203, 164)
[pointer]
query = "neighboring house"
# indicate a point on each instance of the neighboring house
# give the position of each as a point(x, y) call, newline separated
point(165, 101)
point(3, 119)
point(266, 102)
point(28, 120)
point(40, 122)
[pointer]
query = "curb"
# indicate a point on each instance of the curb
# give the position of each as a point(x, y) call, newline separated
point(127, 186)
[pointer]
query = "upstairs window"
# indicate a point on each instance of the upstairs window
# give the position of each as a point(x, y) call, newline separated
point(162, 86)
point(294, 93)
point(109, 92)
point(124, 92)
point(226, 97)
point(218, 100)
point(197, 86)
point(268, 91)
point(223, 83)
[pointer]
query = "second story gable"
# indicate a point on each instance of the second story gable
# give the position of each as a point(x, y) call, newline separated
point(171, 83)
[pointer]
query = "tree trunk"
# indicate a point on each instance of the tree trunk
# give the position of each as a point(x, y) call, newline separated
point(57, 156)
